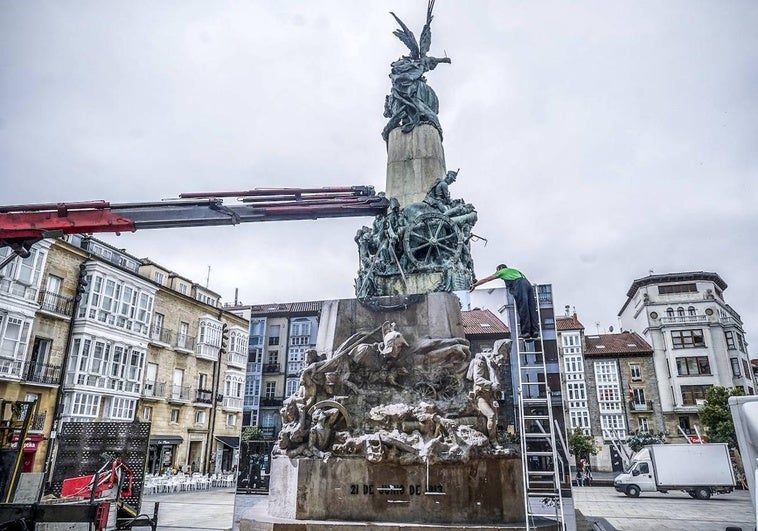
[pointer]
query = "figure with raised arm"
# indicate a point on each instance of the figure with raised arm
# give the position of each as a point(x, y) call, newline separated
point(523, 294)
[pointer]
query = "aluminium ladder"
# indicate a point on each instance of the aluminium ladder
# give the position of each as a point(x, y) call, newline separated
point(540, 461)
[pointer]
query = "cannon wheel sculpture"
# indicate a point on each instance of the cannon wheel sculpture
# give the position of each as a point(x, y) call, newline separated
point(432, 239)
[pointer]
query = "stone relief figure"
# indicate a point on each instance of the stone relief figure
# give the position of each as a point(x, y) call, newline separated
point(385, 398)
point(381, 360)
point(484, 371)
point(320, 433)
point(411, 101)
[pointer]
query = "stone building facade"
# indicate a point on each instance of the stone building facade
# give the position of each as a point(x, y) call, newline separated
point(609, 385)
point(697, 338)
point(194, 376)
point(622, 393)
point(94, 334)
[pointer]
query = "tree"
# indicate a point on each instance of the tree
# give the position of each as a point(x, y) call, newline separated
point(715, 415)
point(580, 445)
point(252, 433)
point(638, 441)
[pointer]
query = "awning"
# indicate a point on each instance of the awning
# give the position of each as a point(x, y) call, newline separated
point(165, 440)
point(231, 442)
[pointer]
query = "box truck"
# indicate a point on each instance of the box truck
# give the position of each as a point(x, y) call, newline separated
point(698, 469)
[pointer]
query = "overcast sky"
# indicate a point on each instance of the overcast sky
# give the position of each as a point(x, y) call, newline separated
point(598, 140)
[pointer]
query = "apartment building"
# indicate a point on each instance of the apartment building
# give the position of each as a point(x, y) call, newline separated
point(574, 383)
point(94, 334)
point(622, 391)
point(609, 385)
point(697, 338)
point(34, 315)
point(280, 334)
point(194, 376)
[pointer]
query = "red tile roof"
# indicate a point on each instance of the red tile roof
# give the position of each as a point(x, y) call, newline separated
point(483, 323)
point(568, 322)
point(623, 344)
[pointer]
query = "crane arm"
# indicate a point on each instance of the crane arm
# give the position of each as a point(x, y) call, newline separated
point(23, 225)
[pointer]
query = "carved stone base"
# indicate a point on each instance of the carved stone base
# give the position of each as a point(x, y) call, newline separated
point(414, 283)
point(428, 315)
point(480, 491)
point(414, 161)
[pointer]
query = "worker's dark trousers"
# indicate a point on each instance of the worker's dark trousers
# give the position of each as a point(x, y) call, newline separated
point(526, 305)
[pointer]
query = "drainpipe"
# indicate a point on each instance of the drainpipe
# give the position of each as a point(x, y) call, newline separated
point(215, 395)
point(81, 285)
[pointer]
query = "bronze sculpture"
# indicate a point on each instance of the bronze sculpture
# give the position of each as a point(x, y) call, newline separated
point(411, 101)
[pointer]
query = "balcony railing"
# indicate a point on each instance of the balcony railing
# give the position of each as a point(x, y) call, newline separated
point(161, 335)
point(269, 432)
point(271, 402)
point(271, 367)
point(641, 407)
point(207, 351)
point(10, 368)
point(204, 396)
point(154, 389)
point(685, 319)
point(236, 359)
point(232, 402)
point(180, 392)
point(52, 302)
point(38, 421)
point(184, 342)
point(43, 373)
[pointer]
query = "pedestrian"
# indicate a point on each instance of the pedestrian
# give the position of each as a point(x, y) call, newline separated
point(579, 477)
point(523, 294)
point(588, 476)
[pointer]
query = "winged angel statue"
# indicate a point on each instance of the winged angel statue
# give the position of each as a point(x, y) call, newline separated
point(411, 100)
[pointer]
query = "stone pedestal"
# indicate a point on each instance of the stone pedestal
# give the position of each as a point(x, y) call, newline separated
point(384, 428)
point(414, 161)
point(479, 491)
point(413, 283)
point(428, 315)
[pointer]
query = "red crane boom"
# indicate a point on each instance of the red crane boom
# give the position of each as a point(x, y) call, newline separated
point(23, 225)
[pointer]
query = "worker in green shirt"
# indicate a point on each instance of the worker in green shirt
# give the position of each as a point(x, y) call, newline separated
point(523, 294)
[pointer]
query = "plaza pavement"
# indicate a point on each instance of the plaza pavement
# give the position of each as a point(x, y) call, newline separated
point(197, 510)
point(214, 510)
point(653, 511)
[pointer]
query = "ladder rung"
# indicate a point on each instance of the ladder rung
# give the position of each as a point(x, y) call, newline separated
point(536, 401)
point(540, 454)
point(536, 417)
point(538, 435)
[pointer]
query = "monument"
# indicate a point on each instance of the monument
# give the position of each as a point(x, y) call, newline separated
point(395, 419)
